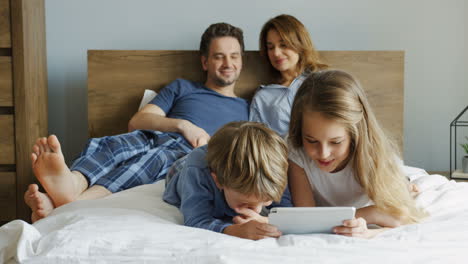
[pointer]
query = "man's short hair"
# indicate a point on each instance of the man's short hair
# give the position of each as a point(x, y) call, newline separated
point(249, 158)
point(220, 30)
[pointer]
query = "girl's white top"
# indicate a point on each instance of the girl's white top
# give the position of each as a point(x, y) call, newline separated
point(330, 189)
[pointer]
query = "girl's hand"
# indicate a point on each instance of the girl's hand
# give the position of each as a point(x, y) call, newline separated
point(246, 215)
point(414, 190)
point(356, 228)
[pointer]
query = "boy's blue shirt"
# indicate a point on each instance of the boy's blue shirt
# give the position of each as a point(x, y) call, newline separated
point(191, 187)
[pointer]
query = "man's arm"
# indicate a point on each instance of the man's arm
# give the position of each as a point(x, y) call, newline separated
point(152, 117)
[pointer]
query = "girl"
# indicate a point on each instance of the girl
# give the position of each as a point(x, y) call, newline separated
point(339, 156)
point(286, 45)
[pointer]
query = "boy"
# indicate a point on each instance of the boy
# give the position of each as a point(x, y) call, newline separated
point(223, 186)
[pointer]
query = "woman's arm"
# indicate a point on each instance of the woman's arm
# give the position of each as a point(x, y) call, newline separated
point(299, 186)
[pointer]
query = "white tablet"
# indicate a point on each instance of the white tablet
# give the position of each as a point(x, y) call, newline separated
point(306, 220)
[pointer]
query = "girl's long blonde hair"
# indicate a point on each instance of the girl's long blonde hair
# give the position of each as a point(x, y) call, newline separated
point(339, 96)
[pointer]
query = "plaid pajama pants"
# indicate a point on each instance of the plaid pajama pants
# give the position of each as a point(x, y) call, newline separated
point(124, 161)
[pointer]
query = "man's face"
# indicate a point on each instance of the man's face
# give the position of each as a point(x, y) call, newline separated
point(224, 61)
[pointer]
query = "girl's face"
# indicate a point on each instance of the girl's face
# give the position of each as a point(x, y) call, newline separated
point(281, 57)
point(325, 141)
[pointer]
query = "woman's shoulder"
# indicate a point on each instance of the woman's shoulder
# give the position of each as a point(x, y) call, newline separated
point(267, 90)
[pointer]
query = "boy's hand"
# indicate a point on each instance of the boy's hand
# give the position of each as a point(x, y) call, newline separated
point(246, 215)
point(356, 228)
point(253, 230)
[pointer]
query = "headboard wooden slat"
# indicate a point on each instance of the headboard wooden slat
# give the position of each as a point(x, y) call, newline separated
point(117, 79)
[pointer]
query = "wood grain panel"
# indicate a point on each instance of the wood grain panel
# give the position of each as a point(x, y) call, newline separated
point(5, 36)
point(6, 85)
point(7, 196)
point(7, 140)
point(30, 88)
point(382, 76)
point(117, 79)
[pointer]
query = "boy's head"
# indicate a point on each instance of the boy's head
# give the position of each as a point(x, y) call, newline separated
point(249, 162)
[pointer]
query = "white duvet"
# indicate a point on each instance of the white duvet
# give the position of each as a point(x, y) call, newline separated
point(137, 226)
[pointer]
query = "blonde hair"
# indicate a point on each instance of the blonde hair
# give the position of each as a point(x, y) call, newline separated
point(297, 38)
point(249, 158)
point(337, 95)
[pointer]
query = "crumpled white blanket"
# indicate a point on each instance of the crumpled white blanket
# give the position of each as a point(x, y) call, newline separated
point(137, 226)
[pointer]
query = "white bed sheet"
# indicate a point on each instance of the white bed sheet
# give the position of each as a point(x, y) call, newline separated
point(137, 226)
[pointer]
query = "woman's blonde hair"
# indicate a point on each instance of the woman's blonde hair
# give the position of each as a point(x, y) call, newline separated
point(297, 38)
point(337, 95)
point(249, 158)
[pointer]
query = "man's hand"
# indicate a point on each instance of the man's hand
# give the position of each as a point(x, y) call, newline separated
point(246, 215)
point(195, 135)
point(253, 230)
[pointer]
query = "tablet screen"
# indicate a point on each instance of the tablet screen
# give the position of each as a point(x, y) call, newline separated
point(308, 220)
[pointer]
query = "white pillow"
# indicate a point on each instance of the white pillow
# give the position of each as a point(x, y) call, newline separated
point(147, 97)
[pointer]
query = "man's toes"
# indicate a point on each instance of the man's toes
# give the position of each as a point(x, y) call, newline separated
point(30, 191)
point(44, 146)
point(40, 145)
point(33, 188)
point(54, 143)
point(33, 158)
point(41, 213)
point(34, 217)
point(36, 148)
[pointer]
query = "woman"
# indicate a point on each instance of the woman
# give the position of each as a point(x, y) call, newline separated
point(288, 48)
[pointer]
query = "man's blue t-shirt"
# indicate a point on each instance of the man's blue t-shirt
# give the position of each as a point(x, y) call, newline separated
point(205, 108)
point(190, 186)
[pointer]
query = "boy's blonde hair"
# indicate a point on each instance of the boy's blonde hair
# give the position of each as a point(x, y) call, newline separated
point(297, 38)
point(337, 95)
point(249, 158)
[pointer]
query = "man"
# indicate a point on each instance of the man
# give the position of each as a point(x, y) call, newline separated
point(182, 116)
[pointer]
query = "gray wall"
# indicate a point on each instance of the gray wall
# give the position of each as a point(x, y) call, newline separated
point(432, 32)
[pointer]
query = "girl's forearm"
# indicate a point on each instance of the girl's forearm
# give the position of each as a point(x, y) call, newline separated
point(377, 217)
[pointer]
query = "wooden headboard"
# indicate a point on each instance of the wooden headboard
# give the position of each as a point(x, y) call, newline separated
point(118, 78)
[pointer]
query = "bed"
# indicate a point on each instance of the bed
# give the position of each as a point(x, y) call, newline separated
point(137, 226)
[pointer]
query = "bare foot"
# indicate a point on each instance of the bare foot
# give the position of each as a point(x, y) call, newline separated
point(40, 203)
point(51, 170)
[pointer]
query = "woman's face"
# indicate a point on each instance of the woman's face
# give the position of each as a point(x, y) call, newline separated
point(281, 57)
